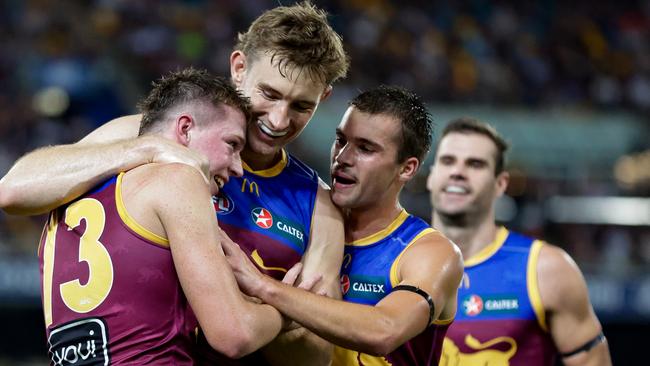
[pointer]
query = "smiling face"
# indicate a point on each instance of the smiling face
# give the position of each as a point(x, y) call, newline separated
point(282, 105)
point(220, 136)
point(462, 182)
point(364, 166)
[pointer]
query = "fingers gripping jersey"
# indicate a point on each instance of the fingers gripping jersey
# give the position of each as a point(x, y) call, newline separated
point(269, 214)
point(109, 287)
point(369, 273)
point(500, 319)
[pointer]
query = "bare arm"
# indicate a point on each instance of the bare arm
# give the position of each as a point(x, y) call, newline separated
point(322, 258)
point(232, 325)
point(571, 319)
point(51, 176)
point(432, 263)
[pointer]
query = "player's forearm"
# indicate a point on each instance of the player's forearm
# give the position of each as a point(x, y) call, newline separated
point(298, 347)
point(354, 326)
point(262, 324)
point(51, 176)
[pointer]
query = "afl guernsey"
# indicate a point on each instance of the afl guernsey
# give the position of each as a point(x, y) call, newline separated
point(269, 214)
point(500, 317)
point(369, 272)
point(110, 291)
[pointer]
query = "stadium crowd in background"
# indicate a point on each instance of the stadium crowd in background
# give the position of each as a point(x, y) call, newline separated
point(61, 77)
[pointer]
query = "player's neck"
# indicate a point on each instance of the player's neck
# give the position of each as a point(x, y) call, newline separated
point(258, 161)
point(471, 236)
point(363, 222)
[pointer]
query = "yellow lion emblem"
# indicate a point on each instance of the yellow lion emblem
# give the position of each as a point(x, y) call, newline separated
point(451, 355)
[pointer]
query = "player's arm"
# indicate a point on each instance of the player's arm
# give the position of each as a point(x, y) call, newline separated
point(322, 258)
point(575, 329)
point(231, 324)
point(432, 264)
point(51, 176)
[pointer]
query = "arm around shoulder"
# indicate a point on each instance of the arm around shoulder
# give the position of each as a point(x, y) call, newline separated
point(50, 176)
point(571, 318)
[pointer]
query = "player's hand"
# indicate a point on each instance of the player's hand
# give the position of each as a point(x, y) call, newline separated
point(290, 278)
point(167, 151)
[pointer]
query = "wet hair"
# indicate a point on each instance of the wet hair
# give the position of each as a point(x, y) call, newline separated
point(467, 125)
point(187, 86)
point(408, 108)
point(298, 38)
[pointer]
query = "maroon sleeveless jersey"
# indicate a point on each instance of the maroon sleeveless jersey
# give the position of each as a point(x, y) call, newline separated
point(501, 318)
point(110, 292)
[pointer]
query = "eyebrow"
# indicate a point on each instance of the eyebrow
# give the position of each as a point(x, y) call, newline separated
point(359, 140)
point(469, 159)
point(268, 87)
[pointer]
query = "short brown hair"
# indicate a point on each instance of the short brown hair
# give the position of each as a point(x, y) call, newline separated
point(469, 125)
point(297, 37)
point(185, 86)
point(415, 121)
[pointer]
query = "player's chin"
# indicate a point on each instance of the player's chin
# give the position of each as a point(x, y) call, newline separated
point(341, 199)
point(263, 147)
point(337, 198)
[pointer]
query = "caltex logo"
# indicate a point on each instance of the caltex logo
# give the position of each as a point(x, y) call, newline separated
point(223, 204)
point(262, 217)
point(473, 305)
point(345, 284)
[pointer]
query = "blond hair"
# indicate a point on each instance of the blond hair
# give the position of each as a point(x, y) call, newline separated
point(298, 38)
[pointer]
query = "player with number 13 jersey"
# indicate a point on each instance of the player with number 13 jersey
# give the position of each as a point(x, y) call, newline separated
point(91, 313)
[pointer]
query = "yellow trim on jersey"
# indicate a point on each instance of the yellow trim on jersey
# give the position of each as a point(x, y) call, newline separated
point(444, 321)
point(394, 275)
point(272, 171)
point(130, 221)
point(489, 250)
point(346, 357)
point(532, 284)
point(373, 238)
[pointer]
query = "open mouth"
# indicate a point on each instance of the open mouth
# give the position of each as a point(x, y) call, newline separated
point(456, 189)
point(339, 179)
point(269, 132)
point(220, 182)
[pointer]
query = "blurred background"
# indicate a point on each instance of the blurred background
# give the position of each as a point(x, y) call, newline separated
point(567, 83)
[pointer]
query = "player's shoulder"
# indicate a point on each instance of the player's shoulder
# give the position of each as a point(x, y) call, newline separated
point(433, 244)
point(559, 278)
point(554, 261)
point(437, 240)
point(167, 176)
point(298, 169)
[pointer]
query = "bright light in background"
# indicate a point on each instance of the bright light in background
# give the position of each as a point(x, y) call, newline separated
point(51, 101)
point(629, 211)
point(632, 171)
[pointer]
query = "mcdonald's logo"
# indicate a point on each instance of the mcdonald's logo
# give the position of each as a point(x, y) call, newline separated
point(252, 186)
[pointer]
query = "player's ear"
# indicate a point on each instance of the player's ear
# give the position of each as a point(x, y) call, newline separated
point(184, 125)
point(501, 183)
point(238, 67)
point(326, 93)
point(430, 178)
point(408, 169)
